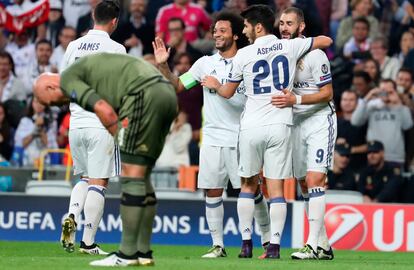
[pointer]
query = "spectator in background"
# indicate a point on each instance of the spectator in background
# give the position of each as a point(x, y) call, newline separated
point(136, 33)
point(387, 120)
point(85, 22)
point(36, 132)
point(341, 177)
point(191, 102)
point(6, 135)
point(177, 41)
point(406, 44)
point(360, 9)
point(67, 34)
point(23, 53)
point(195, 18)
point(361, 83)
point(372, 67)
point(56, 22)
point(354, 136)
point(175, 151)
point(389, 66)
point(11, 88)
point(379, 182)
point(236, 6)
point(41, 64)
point(357, 47)
point(73, 10)
point(338, 12)
point(405, 82)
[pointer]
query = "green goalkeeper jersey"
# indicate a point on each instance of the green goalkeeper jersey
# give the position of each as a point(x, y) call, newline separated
point(106, 76)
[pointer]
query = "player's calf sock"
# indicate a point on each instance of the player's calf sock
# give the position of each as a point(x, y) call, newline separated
point(132, 211)
point(316, 214)
point(261, 215)
point(78, 197)
point(278, 210)
point(145, 231)
point(93, 210)
point(306, 202)
point(214, 216)
point(245, 211)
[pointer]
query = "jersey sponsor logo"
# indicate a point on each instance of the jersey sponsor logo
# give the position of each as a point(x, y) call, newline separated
point(346, 227)
point(324, 69)
point(89, 46)
point(275, 47)
point(300, 84)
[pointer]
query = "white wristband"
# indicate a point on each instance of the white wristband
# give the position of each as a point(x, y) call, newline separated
point(298, 99)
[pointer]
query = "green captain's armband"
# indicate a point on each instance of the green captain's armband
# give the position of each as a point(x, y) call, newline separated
point(188, 81)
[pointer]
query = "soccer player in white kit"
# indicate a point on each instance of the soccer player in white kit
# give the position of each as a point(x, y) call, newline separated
point(95, 155)
point(218, 153)
point(267, 66)
point(314, 133)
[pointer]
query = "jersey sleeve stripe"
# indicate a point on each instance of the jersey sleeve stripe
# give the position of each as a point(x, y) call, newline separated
point(323, 83)
point(310, 47)
point(234, 81)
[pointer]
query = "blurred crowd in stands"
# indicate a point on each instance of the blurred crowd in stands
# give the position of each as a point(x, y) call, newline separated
point(372, 64)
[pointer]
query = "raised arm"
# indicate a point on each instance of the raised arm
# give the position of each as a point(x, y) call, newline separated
point(162, 54)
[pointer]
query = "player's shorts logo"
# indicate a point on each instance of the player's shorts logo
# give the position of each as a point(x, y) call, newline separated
point(324, 69)
point(346, 227)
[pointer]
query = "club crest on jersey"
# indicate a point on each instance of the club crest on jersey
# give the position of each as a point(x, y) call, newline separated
point(324, 69)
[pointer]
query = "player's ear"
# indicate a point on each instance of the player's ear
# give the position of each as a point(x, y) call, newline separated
point(235, 37)
point(302, 26)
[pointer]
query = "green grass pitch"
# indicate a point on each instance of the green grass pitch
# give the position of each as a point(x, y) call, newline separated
point(44, 256)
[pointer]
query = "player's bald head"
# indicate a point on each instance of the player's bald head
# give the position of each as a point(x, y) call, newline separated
point(46, 89)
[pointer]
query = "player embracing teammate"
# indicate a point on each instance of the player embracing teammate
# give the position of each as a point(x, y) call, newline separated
point(268, 68)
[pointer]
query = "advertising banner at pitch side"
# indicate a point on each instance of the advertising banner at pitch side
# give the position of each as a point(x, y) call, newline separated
point(178, 222)
point(375, 227)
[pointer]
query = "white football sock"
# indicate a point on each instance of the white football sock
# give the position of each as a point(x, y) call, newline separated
point(215, 215)
point(94, 207)
point(306, 202)
point(245, 211)
point(323, 240)
point(316, 214)
point(278, 211)
point(78, 197)
point(261, 215)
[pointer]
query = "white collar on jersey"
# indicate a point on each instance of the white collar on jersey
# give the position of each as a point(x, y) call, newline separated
point(98, 32)
point(264, 39)
point(221, 58)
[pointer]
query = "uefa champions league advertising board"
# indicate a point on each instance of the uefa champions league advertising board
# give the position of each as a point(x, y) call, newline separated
point(182, 222)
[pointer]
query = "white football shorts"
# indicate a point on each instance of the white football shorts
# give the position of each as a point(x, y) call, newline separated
point(217, 166)
point(268, 147)
point(313, 144)
point(94, 153)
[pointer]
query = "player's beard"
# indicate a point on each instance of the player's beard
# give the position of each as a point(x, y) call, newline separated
point(293, 35)
point(225, 45)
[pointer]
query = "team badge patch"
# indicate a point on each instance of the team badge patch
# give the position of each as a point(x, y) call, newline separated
point(324, 69)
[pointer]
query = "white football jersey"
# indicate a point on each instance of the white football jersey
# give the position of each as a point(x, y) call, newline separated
point(267, 66)
point(221, 116)
point(96, 41)
point(313, 71)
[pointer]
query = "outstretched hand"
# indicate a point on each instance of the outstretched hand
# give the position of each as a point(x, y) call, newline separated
point(161, 53)
point(287, 99)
